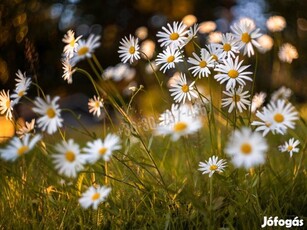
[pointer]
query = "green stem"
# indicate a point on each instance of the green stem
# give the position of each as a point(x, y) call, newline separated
point(87, 74)
point(97, 63)
point(253, 88)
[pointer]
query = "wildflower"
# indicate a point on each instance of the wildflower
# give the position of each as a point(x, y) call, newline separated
point(229, 46)
point(85, 49)
point(22, 131)
point(72, 43)
point(246, 148)
point(68, 70)
point(192, 33)
point(129, 49)
point(94, 105)
point(237, 99)
point(22, 85)
point(212, 165)
point(215, 37)
point(207, 27)
point(172, 36)
point(257, 101)
point(18, 147)
point(98, 149)
point(67, 158)
point(181, 90)
point(49, 110)
point(276, 23)
point(168, 58)
point(266, 43)
point(278, 116)
point(231, 71)
point(246, 35)
point(94, 196)
point(287, 53)
point(215, 52)
point(265, 125)
point(290, 146)
point(178, 122)
point(282, 93)
point(201, 64)
point(6, 105)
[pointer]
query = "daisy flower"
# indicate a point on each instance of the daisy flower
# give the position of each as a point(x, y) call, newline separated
point(68, 70)
point(94, 196)
point(72, 43)
point(212, 165)
point(237, 99)
point(276, 23)
point(129, 49)
point(258, 100)
point(192, 33)
point(181, 90)
point(178, 122)
point(232, 72)
point(67, 158)
point(94, 105)
point(246, 148)
point(246, 36)
point(173, 36)
point(6, 105)
point(229, 46)
point(18, 147)
point(201, 64)
point(290, 146)
point(98, 149)
point(282, 93)
point(22, 85)
point(85, 48)
point(168, 58)
point(26, 129)
point(287, 53)
point(266, 43)
point(215, 51)
point(49, 110)
point(277, 116)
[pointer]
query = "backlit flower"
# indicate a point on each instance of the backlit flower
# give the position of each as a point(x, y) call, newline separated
point(27, 128)
point(276, 23)
point(72, 43)
point(22, 85)
point(129, 49)
point(50, 114)
point(212, 165)
point(257, 101)
point(246, 148)
point(68, 70)
point(287, 53)
point(94, 105)
point(201, 64)
point(94, 196)
point(172, 35)
point(6, 105)
point(237, 99)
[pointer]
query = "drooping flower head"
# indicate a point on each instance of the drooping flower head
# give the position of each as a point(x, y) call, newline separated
point(22, 85)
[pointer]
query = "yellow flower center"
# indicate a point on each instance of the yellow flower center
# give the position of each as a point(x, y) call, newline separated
point(290, 147)
point(95, 196)
point(246, 38)
point(236, 98)
point(82, 51)
point(97, 104)
point(22, 150)
point(246, 148)
point(185, 88)
point(102, 151)
point(233, 73)
point(214, 57)
point(170, 59)
point(227, 47)
point(70, 156)
point(202, 64)
point(21, 93)
point(180, 126)
point(8, 104)
point(132, 50)
point(174, 36)
point(50, 113)
point(278, 117)
point(213, 167)
point(72, 42)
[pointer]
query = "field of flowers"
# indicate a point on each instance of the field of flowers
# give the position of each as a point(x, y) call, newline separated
point(209, 152)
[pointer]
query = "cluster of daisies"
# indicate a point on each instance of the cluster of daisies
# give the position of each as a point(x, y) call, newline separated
point(222, 61)
point(68, 158)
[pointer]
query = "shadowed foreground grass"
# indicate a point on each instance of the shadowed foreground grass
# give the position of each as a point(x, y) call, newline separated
point(173, 194)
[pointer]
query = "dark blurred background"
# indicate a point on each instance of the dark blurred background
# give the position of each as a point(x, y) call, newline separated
point(31, 32)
